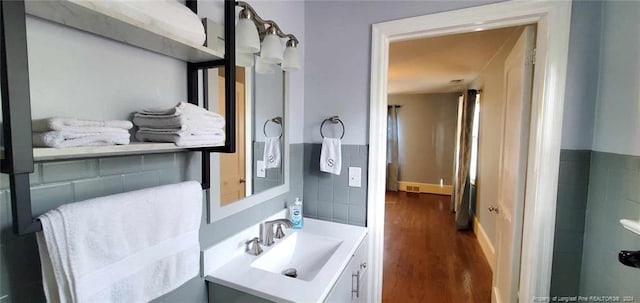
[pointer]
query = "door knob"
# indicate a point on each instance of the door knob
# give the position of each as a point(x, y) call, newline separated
point(493, 209)
point(242, 180)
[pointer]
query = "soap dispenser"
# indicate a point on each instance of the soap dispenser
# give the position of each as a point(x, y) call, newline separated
point(295, 214)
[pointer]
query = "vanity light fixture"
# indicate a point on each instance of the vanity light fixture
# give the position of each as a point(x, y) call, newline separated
point(271, 51)
point(244, 59)
point(251, 29)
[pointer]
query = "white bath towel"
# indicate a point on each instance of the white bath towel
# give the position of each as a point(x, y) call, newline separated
point(271, 155)
point(217, 139)
point(79, 125)
point(331, 156)
point(184, 116)
point(61, 139)
point(182, 108)
point(131, 247)
point(183, 132)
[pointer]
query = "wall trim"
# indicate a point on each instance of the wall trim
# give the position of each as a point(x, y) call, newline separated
point(553, 20)
point(485, 244)
point(426, 188)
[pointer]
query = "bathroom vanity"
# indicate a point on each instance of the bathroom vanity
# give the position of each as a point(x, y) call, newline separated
point(325, 262)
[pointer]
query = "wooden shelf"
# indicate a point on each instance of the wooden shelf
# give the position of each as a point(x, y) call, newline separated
point(85, 16)
point(135, 148)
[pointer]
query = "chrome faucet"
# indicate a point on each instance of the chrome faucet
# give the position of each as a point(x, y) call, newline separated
point(266, 230)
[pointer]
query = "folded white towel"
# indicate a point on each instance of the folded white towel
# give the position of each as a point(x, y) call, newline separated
point(179, 122)
point(79, 125)
point(180, 140)
point(271, 155)
point(131, 247)
point(61, 139)
point(183, 133)
point(184, 116)
point(331, 156)
point(182, 108)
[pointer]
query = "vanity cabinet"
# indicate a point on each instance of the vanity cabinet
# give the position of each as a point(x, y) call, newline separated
point(351, 287)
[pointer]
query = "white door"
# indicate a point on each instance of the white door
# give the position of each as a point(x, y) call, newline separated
point(518, 73)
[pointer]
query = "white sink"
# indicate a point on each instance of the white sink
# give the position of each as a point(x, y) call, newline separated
point(305, 252)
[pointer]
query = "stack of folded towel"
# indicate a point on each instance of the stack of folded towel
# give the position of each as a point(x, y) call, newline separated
point(184, 124)
point(67, 132)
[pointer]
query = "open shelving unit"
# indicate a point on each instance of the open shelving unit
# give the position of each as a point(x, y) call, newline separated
point(18, 156)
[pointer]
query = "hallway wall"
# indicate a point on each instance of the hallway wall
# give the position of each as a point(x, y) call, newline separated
point(426, 136)
point(492, 101)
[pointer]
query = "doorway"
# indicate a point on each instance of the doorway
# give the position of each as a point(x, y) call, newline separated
point(529, 277)
point(443, 168)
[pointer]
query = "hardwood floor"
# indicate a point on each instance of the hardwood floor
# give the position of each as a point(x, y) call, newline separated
point(425, 258)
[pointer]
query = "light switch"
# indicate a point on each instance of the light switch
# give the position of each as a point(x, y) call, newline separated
point(355, 177)
point(260, 169)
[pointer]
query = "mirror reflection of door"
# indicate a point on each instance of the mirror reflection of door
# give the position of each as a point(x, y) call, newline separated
point(232, 166)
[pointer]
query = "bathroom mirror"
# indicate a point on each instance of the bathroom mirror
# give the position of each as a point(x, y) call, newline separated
point(260, 123)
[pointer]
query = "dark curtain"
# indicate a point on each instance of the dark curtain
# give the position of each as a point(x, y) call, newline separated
point(393, 165)
point(462, 195)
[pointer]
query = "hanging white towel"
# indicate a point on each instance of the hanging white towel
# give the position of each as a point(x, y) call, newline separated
point(130, 247)
point(271, 155)
point(331, 156)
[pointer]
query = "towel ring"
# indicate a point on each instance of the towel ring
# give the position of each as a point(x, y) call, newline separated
point(276, 120)
point(334, 120)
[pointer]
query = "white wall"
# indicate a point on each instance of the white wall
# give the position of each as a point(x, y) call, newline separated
point(338, 58)
point(426, 136)
point(618, 101)
point(492, 101)
point(582, 76)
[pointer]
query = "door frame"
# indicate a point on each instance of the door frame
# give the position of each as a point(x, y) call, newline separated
point(553, 20)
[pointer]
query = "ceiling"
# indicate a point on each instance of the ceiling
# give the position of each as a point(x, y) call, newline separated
point(428, 65)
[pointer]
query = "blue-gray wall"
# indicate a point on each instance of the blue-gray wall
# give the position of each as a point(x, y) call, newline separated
point(614, 194)
point(573, 183)
point(57, 183)
point(609, 61)
point(329, 197)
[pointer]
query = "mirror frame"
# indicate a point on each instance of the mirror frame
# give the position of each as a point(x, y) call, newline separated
point(215, 212)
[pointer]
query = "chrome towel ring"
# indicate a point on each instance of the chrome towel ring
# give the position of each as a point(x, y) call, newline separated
point(333, 120)
point(276, 120)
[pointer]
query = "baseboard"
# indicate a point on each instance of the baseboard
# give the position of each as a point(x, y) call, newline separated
point(426, 188)
point(485, 243)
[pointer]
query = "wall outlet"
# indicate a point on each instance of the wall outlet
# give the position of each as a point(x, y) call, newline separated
point(261, 171)
point(355, 177)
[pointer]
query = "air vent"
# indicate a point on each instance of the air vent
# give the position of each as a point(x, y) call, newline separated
point(413, 189)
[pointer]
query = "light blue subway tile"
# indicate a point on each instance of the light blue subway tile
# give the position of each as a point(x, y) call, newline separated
point(325, 209)
point(341, 188)
point(325, 189)
point(68, 170)
point(97, 187)
point(357, 195)
point(341, 212)
point(357, 214)
point(120, 165)
point(158, 161)
point(141, 180)
point(568, 241)
point(310, 208)
point(170, 176)
point(50, 196)
point(633, 186)
point(4, 181)
point(35, 177)
point(570, 219)
point(6, 231)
